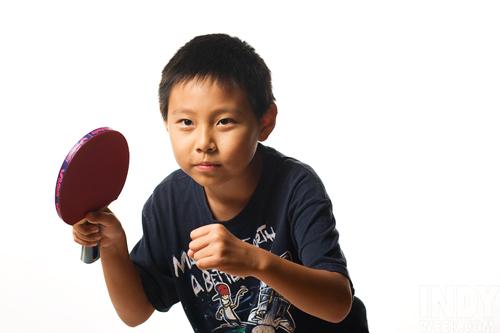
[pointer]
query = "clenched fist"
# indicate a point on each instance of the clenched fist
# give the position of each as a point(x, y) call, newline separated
point(214, 247)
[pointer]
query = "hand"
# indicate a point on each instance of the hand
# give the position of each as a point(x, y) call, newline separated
point(100, 227)
point(214, 247)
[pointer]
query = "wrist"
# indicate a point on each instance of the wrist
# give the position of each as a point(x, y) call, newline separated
point(115, 245)
point(260, 261)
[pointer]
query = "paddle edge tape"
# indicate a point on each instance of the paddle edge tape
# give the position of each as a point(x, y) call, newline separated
point(69, 157)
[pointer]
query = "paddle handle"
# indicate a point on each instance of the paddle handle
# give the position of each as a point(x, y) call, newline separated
point(89, 254)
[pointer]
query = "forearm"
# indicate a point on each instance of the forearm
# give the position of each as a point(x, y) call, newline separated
point(124, 284)
point(323, 294)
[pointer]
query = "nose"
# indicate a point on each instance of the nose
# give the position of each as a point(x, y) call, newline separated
point(205, 142)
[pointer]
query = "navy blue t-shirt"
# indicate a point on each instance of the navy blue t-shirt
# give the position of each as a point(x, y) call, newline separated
point(289, 214)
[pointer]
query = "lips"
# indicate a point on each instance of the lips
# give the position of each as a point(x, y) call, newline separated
point(207, 167)
point(207, 164)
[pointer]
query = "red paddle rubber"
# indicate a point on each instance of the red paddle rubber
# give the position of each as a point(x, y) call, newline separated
point(92, 176)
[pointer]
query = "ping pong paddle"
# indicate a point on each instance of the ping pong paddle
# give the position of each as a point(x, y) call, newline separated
point(91, 177)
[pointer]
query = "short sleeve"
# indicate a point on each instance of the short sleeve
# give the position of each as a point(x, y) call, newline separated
point(313, 227)
point(150, 261)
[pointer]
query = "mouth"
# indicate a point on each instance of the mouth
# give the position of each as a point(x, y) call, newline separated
point(207, 166)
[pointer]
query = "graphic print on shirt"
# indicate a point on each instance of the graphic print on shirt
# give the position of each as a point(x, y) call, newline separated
point(228, 305)
point(272, 311)
point(233, 303)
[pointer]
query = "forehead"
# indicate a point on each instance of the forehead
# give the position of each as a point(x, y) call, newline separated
point(206, 94)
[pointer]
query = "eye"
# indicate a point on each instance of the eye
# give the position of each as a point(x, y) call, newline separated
point(226, 121)
point(185, 122)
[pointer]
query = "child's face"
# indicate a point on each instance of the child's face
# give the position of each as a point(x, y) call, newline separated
point(212, 124)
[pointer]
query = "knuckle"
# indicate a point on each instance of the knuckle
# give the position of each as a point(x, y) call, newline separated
point(79, 241)
point(220, 249)
point(218, 236)
point(79, 223)
point(201, 265)
point(88, 232)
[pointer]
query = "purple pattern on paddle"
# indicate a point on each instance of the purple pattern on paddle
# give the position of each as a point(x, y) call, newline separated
point(68, 159)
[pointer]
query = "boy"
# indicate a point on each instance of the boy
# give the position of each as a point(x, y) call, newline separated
point(242, 235)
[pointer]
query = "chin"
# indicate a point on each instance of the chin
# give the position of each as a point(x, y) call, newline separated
point(205, 180)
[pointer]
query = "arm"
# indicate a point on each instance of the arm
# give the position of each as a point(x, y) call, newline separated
point(122, 280)
point(323, 294)
point(124, 286)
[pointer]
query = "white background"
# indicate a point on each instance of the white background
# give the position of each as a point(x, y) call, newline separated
point(395, 105)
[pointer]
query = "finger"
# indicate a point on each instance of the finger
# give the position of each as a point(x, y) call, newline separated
point(81, 222)
point(101, 217)
point(106, 210)
point(201, 231)
point(207, 263)
point(199, 243)
point(88, 237)
point(203, 253)
point(86, 242)
point(86, 228)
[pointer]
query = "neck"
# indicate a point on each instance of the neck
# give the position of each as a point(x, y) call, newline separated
point(228, 199)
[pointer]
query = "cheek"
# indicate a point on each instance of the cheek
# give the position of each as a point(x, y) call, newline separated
point(238, 150)
point(179, 145)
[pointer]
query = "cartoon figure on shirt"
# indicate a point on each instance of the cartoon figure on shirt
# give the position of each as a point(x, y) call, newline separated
point(228, 306)
point(272, 311)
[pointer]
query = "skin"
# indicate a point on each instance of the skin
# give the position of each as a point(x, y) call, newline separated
point(122, 280)
point(207, 122)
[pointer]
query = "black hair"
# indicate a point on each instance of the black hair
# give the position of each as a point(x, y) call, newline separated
point(227, 60)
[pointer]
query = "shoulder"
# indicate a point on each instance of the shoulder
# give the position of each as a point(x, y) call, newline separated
point(172, 188)
point(291, 173)
point(176, 181)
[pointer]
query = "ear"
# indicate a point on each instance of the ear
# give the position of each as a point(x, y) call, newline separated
point(267, 122)
point(165, 123)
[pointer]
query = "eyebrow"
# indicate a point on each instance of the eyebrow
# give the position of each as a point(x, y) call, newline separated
point(213, 113)
point(177, 111)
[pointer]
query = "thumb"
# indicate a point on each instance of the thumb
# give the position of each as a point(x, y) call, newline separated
point(104, 217)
